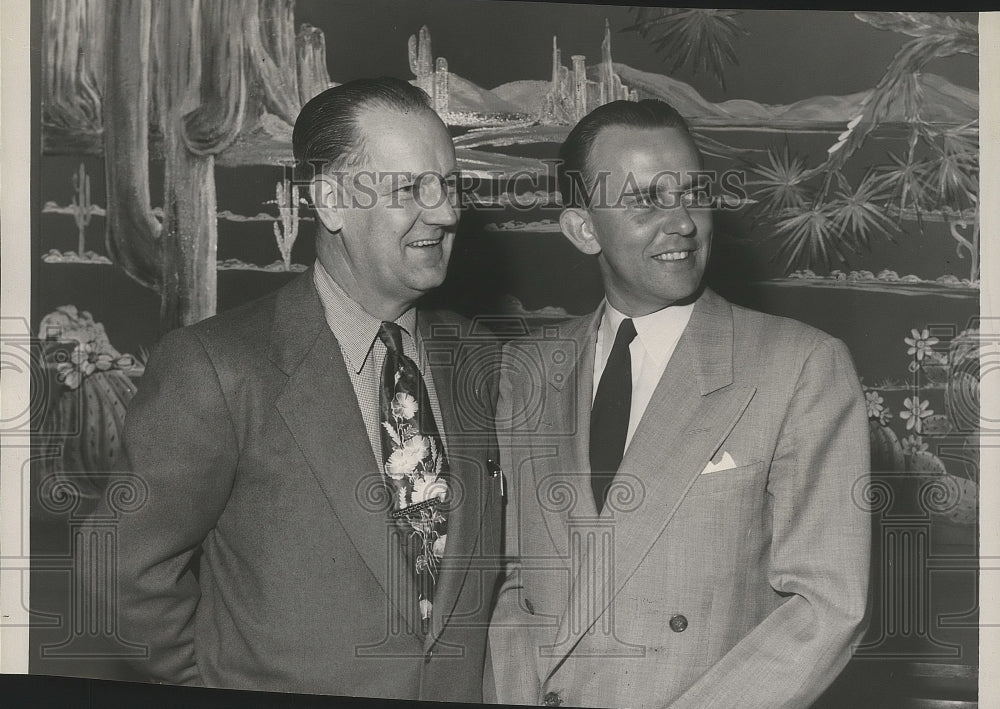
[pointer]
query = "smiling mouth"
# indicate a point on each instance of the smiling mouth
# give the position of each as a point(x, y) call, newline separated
point(674, 256)
point(426, 243)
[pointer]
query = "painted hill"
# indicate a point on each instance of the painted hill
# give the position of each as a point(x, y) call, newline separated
point(527, 95)
point(943, 102)
point(824, 109)
point(685, 98)
point(467, 96)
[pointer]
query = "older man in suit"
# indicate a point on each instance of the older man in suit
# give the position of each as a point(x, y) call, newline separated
point(686, 524)
point(318, 494)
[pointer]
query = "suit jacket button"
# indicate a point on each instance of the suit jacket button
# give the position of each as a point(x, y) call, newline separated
point(428, 656)
point(551, 699)
point(678, 623)
point(530, 608)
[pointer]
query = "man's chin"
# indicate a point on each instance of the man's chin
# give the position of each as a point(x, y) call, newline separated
point(427, 280)
point(678, 293)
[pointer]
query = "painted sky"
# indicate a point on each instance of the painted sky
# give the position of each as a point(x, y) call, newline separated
point(787, 56)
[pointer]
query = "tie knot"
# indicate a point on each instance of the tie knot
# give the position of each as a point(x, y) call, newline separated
point(626, 333)
point(392, 337)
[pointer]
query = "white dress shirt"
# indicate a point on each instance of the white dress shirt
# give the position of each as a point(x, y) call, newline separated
point(656, 338)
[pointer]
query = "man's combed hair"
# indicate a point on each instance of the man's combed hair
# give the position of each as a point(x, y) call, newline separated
point(326, 134)
point(573, 171)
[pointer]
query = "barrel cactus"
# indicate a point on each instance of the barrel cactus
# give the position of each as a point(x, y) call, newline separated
point(886, 450)
point(92, 388)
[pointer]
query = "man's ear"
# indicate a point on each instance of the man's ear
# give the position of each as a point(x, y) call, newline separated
point(576, 226)
point(328, 199)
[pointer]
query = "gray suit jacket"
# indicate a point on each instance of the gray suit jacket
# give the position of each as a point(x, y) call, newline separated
point(730, 565)
point(261, 559)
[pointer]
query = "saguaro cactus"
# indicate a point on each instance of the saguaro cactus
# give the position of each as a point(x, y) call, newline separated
point(82, 208)
point(72, 76)
point(201, 61)
point(422, 60)
point(310, 48)
point(432, 75)
point(441, 85)
point(287, 198)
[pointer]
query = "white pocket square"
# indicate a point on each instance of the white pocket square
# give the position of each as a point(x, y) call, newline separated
point(726, 462)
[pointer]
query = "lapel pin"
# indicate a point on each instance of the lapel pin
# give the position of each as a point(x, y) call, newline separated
point(496, 471)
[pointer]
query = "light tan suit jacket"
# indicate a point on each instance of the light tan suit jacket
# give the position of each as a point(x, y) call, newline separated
point(730, 565)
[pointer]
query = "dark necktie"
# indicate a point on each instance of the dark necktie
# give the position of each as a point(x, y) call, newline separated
point(415, 466)
point(609, 417)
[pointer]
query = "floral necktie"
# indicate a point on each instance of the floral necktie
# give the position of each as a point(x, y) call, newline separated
point(415, 466)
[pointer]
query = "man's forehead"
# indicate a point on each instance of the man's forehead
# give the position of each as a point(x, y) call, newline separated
point(645, 151)
point(413, 141)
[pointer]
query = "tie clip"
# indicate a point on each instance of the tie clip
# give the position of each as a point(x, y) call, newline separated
point(406, 511)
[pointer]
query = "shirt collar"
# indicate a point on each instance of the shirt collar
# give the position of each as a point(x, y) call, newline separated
point(658, 331)
point(354, 327)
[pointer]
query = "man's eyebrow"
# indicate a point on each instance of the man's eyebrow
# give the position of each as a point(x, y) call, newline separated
point(660, 186)
point(644, 192)
point(654, 191)
point(685, 184)
point(395, 181)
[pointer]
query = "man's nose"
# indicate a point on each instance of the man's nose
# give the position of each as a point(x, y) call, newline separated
point(438, 207)
point(444, 214)
point(677, 220)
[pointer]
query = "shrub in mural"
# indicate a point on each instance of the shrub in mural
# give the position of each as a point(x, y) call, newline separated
point(936, 409)
point(92, 387)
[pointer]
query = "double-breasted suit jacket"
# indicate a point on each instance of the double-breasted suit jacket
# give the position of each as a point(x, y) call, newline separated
point(729, 567)
point(261, 558)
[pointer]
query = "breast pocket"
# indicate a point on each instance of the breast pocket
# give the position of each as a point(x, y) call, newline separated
point(723, 509)
point(730, 480)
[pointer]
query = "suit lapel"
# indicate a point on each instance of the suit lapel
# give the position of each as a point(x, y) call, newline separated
point(565, 460)
point(444, 351)
point(692, 410)
point(319, 406)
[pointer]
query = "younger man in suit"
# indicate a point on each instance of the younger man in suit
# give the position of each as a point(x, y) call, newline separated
point(686, 525)
point(316, 489)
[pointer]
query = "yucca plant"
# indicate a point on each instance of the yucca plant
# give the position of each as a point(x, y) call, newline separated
point(859, 211)
point(954, 166)
point(702, 40)
point(809, 236)
point(907, 182)
point(779, 184)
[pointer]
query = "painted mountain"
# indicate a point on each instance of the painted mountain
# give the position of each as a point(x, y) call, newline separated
point(465, 96)
point(943, 101)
